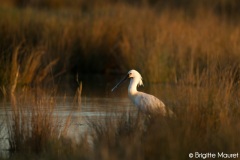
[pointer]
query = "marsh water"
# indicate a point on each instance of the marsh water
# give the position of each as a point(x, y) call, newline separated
point(91, 106)
point(94, 104)
point(94, 109)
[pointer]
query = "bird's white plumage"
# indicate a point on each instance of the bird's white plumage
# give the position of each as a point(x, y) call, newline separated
point(148, 103)
point(144, 102)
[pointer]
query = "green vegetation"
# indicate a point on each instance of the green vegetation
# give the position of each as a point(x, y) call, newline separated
point(191, 46)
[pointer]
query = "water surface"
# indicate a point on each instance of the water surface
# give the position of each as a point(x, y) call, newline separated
point(90, 108)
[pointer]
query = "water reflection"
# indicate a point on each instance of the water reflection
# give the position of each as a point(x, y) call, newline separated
point(93, 108)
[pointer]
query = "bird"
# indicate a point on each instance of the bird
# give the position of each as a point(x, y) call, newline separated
point(145, 103)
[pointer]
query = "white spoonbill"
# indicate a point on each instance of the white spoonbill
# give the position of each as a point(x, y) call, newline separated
point(144, 102)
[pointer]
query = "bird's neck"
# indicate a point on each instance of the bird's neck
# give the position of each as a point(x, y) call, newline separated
point(132, 88)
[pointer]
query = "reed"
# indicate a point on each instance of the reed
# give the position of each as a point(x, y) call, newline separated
point(207, 114)
point(31, 123)
point(93, 42)
point(117, 138)
point(194, 50)
point(35, 130)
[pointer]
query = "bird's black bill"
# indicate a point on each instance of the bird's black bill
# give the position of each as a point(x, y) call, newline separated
point(120, 82)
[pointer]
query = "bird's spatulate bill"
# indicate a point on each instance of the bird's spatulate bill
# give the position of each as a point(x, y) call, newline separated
point(120, 83)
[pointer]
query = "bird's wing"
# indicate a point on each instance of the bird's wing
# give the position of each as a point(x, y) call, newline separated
point(149, 103)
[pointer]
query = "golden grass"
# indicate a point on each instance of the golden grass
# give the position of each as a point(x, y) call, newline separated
point(207, 120)
point(31, 123)
point(35, 130)
point(207, 109)
point(197, 55)
point(170, 44)
point(111, 38)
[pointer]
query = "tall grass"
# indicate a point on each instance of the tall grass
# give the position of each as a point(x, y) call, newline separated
point(31, 123)
point(35, 130)
point(113, 38)
point(207, 120)
point(195, 51)
point(207, 109)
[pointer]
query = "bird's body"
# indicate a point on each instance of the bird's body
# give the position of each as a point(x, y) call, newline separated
point(148, 103)
point(144, 102)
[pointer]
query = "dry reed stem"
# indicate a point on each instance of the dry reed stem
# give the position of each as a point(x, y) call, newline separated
point(78, 94)
point(33, 124)
point(14, 77)
point(30, 68)
point(43, 73)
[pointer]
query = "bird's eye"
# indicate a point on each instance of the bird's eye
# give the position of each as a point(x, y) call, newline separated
point(129, 75)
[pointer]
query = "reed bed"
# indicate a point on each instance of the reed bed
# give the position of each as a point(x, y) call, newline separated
point(33, 129)
point(110, 39)
point(207, 120)
point(31, 123)
point(193, 52)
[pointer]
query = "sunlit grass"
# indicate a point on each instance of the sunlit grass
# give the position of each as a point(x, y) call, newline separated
point(32, 128)
point(207, 120)
point(196, 56)
point(114, 38)
point(207, 115)
point(31, 123)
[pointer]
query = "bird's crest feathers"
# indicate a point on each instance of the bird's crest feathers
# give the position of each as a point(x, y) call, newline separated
point(135, 74)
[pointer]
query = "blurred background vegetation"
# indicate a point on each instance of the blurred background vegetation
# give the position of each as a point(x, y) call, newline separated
point(190, 46)
point(50, 41)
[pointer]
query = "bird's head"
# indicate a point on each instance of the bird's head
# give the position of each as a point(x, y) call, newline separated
point(135, 74)
point(132, 74)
